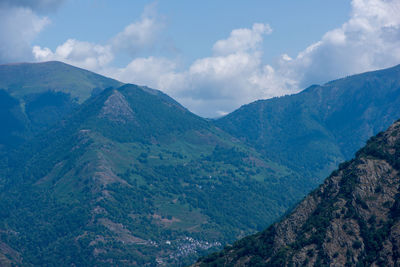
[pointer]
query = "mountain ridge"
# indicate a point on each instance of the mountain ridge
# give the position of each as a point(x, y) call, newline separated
point(316, 129)
point(34, 96)
point(352, 219)
point(21, 79)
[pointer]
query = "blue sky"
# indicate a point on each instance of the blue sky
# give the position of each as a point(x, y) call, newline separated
point(212, 56)
point(193, 26)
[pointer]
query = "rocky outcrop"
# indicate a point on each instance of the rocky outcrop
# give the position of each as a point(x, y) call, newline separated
point(117, 109)
point(353, 219)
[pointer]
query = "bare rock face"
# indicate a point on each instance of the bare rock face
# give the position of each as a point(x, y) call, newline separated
point(353, 219)
point(117, 109)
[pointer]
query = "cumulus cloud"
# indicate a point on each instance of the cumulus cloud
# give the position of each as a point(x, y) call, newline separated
point(83, 54)
point(18, 28)
point(140, 35)
point(20, 23)
point(235, 73)
point(242, 40)
point(369, 40)
point(154, 72)
point(136, 37)
point(213, 85)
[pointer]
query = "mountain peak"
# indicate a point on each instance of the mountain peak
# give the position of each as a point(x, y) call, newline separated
point(23, 79)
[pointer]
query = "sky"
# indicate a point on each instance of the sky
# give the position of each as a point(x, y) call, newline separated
point(211, 56)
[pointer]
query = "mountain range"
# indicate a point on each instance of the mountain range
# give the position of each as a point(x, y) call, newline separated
point(95, 172)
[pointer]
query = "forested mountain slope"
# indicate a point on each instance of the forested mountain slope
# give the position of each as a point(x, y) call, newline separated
point(34, 96)
point(316, 129)
point(352, 219)
point(131, 177)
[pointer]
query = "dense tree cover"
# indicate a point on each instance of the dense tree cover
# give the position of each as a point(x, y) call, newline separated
point(11, 118)
point(101, 189)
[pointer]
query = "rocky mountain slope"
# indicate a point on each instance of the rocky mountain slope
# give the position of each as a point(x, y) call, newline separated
point(313, 131)
point(133, 178)
point(352, 219)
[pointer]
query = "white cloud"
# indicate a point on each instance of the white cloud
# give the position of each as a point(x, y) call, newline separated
point(235, 73)
point(213, 85)
point(242, 40)
point(20, 24)
point(140, 35)
point(18, 28)
point(152, 71)
point(369, 40)
point(83, 54)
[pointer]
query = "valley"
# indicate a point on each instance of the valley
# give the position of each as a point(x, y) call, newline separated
point(108, 173)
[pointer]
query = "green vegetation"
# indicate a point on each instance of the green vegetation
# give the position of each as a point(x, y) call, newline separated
point(313, 131)
point(33, 97)
point(95, 173)
point(362, 236)
point(131, 176)
point(24, 79)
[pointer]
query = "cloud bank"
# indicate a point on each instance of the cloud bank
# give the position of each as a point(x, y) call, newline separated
point(235, 74)
point(212, 85)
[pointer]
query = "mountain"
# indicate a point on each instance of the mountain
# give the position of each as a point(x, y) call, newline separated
point(131, 177)
point(22, 79)
point(34, 96)
point(313, 131)
point(93, 172)
point(352, 219)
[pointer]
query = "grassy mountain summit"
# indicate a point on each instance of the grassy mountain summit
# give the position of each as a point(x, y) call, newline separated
point(34, 96)
point(22, 79)
point(316, 129)
point(131, 177)
point(352, 219)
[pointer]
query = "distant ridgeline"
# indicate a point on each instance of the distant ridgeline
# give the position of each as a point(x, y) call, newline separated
point(352, 219)
point(94, 172)
point(313, 131)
